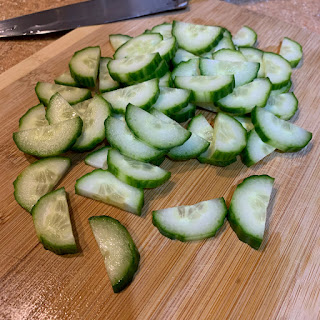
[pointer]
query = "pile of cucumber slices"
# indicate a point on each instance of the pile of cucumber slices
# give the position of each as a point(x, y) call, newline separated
point(136, 101)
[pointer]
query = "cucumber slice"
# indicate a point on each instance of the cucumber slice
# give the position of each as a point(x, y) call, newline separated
point(159, 72)
point(247, 211)
point(210, 106)
point(206, 55)
point(38, 179)
point(166, 48)
point(153, 131)
point(188, 223)
point(172, 100)
point(255, 149)
point(138, 46)
point(277, 69)
point(227, 33)
point(283, 89)
point(117, 40)
point(244, 98)
point(214, 162)
point(187, 68)
point(195, 38)
point(225, 42)
point(121, 256)
point(136, 173)
point(103, 186)
point(284, 105)
point(142, 95)
point(163, 117)
point(184, 114)
point(227, 141)
point(120, 137)
point(59, 110)
point(84, 66)
point(35, 117)
point(278, 133)
point(191, 149)
point(52, 223)
point(201, 127)
point(147, 31)
point(66, 80)
point(106, 83)
point(291, 51)
point(228, 55)
point(182, 55)
point(119, 116)
point(73, 95)
point(246, 122)
point(158, 162)
point(166, 80)
point(133, 68)
point(254, 55)
point(48, 141)
point(93, 113)
point(165, 29)
point(244, 72)
point(98, 158)
point(245, 37)
point(206, 88)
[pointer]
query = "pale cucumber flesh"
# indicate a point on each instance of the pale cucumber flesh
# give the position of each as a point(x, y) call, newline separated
point(189, 223)
point(248, 209)
point(52, 223)
point(38, 179)
point(121, 256)
point(103, 186)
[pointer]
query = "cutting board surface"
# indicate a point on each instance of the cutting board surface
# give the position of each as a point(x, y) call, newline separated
point(221, 278)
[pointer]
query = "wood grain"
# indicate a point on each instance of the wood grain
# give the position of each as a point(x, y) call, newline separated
point(220, 278)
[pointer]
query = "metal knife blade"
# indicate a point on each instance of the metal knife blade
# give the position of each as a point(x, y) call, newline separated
point(83, 14)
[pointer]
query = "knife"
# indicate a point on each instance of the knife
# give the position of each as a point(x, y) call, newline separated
point(83, 14)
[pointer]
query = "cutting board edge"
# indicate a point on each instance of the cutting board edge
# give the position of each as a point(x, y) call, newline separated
point(34, 61)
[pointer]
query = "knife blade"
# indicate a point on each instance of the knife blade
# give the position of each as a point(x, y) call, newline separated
point(83, 14)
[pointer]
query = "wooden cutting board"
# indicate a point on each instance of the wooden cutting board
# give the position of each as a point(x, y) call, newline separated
point(221, 278)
